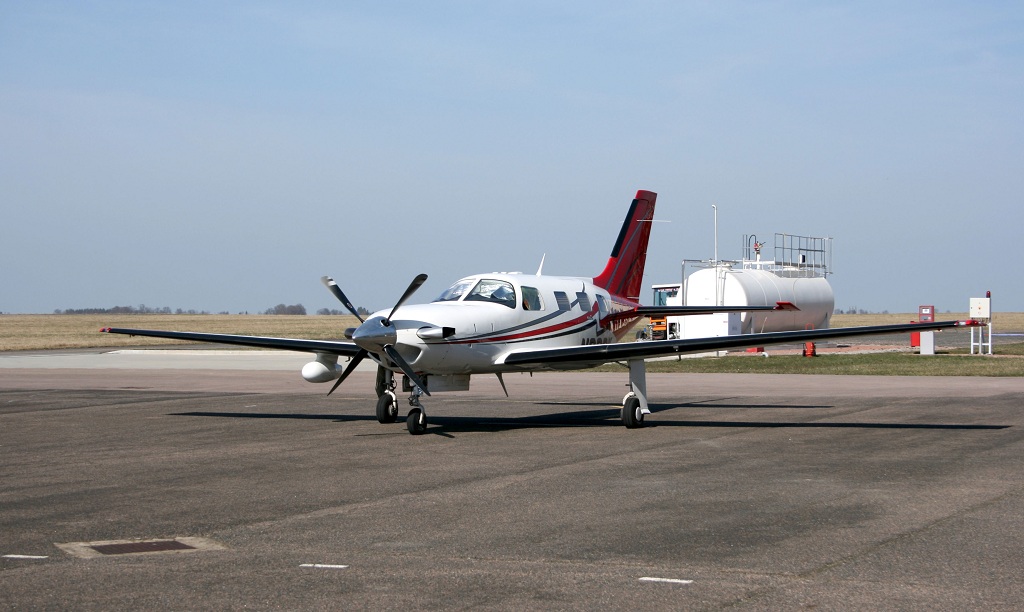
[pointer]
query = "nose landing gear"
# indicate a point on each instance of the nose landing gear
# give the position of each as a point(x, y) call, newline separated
point(416, 422)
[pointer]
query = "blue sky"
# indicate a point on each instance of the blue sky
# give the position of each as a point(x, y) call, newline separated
point(223, 156)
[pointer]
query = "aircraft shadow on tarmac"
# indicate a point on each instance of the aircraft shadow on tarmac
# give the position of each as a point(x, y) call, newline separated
point(606, 417)
point(271, 415)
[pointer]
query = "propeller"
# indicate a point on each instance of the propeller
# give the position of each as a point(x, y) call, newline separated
point(413, 286)
point(376, 335)
point(338, 293)
point(392, 352)
point(348, 370)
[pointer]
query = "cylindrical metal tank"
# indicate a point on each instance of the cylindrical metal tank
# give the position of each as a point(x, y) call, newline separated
point(752, 287)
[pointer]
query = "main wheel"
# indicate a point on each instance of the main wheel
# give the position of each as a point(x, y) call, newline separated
point(415, 422)
point(632, 416)
point(387, 408)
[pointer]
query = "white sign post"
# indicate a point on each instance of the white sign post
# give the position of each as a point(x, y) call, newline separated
point(981, 309)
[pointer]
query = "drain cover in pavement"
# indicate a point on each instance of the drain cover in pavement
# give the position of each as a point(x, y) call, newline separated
point(140, 547)
point(90, 550)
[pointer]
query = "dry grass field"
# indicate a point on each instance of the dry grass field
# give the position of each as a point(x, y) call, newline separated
point(1005, 321)
point(39, 332)
point(36, 332)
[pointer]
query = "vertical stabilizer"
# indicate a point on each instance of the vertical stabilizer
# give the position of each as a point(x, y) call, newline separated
point(623, 275)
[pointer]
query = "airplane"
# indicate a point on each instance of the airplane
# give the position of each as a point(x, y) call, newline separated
point(501, 322)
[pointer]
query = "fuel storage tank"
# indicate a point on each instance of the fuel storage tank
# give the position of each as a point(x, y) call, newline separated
point(724, 285)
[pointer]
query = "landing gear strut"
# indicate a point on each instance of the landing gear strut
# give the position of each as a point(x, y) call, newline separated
point(387, 401)
point(385, 380)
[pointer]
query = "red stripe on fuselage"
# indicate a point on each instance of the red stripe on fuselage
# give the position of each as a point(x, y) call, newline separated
point(531, 333)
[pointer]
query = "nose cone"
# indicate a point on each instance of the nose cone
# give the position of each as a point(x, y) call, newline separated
point(373, 335)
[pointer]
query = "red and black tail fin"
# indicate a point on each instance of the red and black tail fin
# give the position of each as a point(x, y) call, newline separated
point(623, 275)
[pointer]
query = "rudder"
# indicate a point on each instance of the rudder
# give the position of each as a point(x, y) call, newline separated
point(623, 274)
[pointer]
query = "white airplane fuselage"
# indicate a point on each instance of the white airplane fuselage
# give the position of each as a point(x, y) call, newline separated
point(539, 312)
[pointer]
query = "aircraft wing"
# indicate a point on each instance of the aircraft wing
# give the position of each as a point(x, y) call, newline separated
point(332, 347)
point(592, 355)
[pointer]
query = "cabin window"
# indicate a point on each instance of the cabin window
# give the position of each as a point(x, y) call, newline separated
point(531, 299)
point(584, 301)
point(497, 291)
point(455, 292)
point(602, 306)
point(562, 300)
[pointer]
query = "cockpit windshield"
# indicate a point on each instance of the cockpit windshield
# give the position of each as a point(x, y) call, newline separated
point(486, 290)
point(455, 292)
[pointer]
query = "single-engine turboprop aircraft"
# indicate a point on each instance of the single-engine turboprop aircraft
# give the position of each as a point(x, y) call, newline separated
point(514, 322)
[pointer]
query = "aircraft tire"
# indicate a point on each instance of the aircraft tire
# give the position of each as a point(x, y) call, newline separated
point(413, 422)
point(632, 417)
point(387, 408)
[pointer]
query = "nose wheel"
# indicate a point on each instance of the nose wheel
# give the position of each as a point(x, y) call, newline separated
point(416, 422)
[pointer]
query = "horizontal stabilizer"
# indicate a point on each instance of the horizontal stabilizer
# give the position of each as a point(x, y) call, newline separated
point(674, 311)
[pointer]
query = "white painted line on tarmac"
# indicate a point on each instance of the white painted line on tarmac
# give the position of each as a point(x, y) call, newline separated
point(26, 557)
point(323, 566)
point(668, 580)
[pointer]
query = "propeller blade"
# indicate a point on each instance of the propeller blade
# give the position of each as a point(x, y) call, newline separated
point(413, 286)
point(348, 370)
point(338, 293)
point(402, 363)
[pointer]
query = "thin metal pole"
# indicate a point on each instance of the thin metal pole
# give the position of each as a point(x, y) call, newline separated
point(717, 270)
point(715, 208)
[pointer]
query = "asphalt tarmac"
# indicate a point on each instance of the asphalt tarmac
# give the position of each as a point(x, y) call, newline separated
point(742, 491)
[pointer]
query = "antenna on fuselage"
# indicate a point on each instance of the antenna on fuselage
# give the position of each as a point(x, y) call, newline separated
point(541, 268)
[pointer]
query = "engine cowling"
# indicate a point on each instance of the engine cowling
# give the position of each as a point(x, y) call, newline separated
point(324, 369)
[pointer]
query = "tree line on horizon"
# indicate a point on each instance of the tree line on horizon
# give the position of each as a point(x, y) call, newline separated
point(857, 311)
point(142, 309)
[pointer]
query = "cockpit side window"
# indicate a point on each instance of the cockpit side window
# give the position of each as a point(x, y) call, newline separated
point(497, 291)
point(455, 292)
point(531, 299)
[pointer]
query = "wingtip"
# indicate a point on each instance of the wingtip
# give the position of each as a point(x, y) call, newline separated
point(971, 323)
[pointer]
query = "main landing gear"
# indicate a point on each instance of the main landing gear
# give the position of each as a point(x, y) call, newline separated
point(634, 404)
point(632, 414)
point(387, 407)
